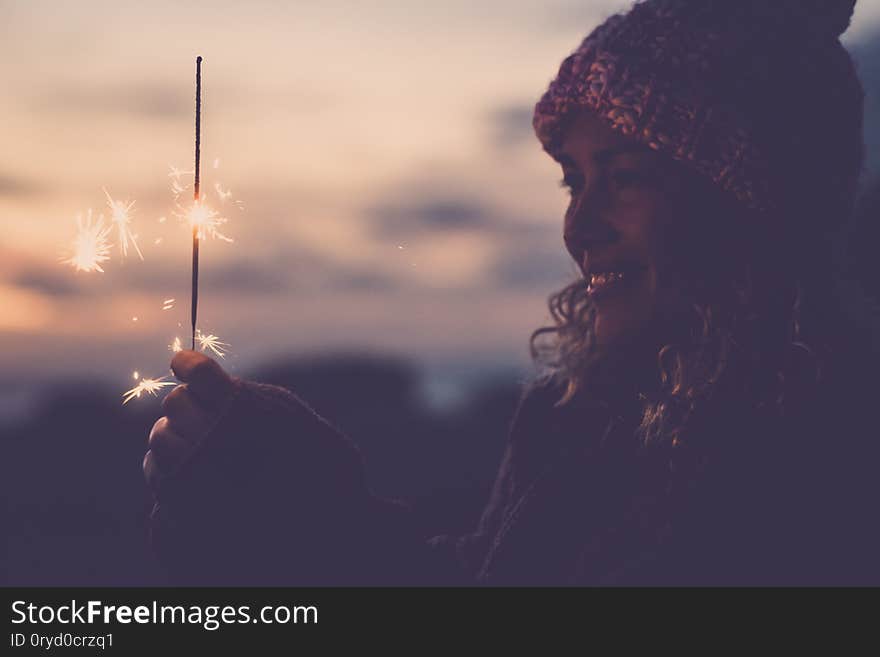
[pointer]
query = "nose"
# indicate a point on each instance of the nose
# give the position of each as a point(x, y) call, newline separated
point(586, 224)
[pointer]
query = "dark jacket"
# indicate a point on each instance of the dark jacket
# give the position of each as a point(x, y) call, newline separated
point(276, 496)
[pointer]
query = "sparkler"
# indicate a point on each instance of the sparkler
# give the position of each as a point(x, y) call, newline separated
point(204, 219)
point(195, 228)
point(151, 386)
point(90, 246)
point(121, 215)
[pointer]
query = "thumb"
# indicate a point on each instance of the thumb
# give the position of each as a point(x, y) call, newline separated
point(204, 377)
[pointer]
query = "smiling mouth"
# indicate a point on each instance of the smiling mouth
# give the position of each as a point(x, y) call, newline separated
point(605, 283)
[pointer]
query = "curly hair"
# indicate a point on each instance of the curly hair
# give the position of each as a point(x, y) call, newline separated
point(734, 343)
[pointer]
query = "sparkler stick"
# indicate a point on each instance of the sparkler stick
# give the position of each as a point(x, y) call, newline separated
point(195, 242)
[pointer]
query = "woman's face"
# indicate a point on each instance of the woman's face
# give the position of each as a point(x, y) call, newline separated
point(626, 206)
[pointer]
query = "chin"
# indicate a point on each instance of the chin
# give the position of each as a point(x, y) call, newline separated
point(614, 331)
point(624, 323)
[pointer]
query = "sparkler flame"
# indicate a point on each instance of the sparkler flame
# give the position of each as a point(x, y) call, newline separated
point(121, 215)
point(151, 386)
point(205, 219)
point(90, 246)
point(211, 343)
point(199, 214)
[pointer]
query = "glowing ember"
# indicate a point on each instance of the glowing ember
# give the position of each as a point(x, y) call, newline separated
point(90, 246)
point(151, 386)
point(211, 343)
point(177, 186)
point(222, 194)
point(205, 219)
point(121, 215)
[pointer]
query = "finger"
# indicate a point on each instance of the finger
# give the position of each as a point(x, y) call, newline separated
point(207, 380)
point(185, 414)
point(168, 447)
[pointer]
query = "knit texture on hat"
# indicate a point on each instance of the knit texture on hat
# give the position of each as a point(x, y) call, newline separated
point(758, 95)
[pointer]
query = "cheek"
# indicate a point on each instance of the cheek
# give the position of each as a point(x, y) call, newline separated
point(650, 229)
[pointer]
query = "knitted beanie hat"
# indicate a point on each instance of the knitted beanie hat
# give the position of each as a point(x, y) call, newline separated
point(758, 95)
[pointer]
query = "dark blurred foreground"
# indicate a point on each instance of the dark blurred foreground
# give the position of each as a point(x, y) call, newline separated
point(76, 503)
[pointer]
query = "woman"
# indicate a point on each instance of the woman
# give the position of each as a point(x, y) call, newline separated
point(705, 412)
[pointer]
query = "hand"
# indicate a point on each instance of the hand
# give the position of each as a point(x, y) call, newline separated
point(191, 410)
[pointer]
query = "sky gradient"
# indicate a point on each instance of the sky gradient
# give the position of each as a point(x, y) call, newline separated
point(395, 199)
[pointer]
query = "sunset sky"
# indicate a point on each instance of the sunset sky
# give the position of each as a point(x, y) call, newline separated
point(394, 197)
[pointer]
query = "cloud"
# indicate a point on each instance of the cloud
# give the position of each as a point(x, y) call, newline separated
point(245, 277)
point(521, 253)
point(352, 280)
point(11, 185)
point(152, 100)
point(399, 218)
point(532, 257)
point(578, 16)
point(302, 270)
point(511, 125)
point(288, 270)
point(46, 281)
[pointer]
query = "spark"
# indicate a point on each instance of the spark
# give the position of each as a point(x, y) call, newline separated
point(205, 219)
point(151, 386)
point(134, 319)
point(157, 241)
point(135, 375)
point(162, 220)
point(211, 343)
point(168, 304)
point(90, 246)
point(224, 195)
point(176, 174)
point(176, 345)
point(177, 187)
point(121, 215)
